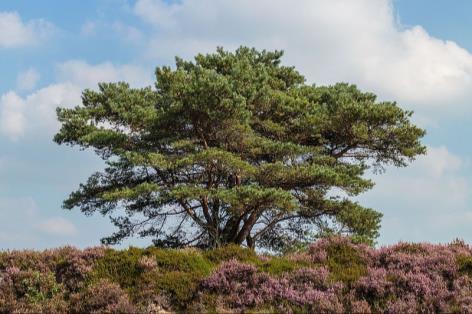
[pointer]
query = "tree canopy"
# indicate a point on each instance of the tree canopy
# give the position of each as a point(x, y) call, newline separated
point(235, 147)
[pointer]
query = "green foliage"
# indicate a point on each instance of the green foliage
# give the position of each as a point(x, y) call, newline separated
point(411, 248)
point(281, 265)
point(235, 147)
point(181, 286)
point(344, 262)
point(39, 287)
point(229, 252)
point(180, 260)
point(465, 264)
point(121, 267)
point(176, 273)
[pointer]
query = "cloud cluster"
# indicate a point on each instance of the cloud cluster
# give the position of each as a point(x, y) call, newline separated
point(15, 33)
point(36, 111)
point(85, 75)
point(57, 226)
point(428, 200)
point(27, 80)
point(329, 41)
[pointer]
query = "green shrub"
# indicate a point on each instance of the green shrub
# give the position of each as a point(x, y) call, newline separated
point(121, 267)
point(231, 251)
point(185, 260)
point(410, 248)
point(39, 287)
point(464, 264)
point(345, 262)
point(280, 265)
point(181, 287)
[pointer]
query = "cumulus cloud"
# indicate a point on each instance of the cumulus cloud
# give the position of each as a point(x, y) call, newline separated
point(12, 119)
point(57, 226)
point(84, 74)
point(429, 199)
point(36, 111)
point(14, 32)
point(127, 32)
point(27, 80)
point(329, 41)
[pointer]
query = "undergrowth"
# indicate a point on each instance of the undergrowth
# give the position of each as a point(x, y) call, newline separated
point(332, 275)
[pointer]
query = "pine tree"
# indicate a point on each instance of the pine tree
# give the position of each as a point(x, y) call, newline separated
point(235, 147)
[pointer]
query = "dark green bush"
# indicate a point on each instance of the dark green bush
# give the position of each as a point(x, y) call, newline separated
point(229, 252)
point(345, 262)
point(465, 265)
point(121, 267)
point(187, 260)
point(280, 265)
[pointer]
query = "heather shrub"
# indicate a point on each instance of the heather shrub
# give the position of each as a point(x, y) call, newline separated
point(342, 275)
point(344, 259)
point(243, 286)
point(31, 286)
point(333, 275)
point(148, 263)
point(185, 260)
point(278, 266)
point(36, 287)
point(121, 267)
point(229, 252)
point(29, 260)
point(464, 263)
point(101, 297)
point(30, 291)
point(359, 307)
point(75, 267)
point(180, 287)
point(168, 274)
point(407, 305)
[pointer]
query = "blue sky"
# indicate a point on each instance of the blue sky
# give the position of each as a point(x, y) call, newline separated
point(417, 52)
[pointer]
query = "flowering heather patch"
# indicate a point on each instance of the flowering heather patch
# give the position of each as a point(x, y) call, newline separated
point(348, 277)
point(332, 276)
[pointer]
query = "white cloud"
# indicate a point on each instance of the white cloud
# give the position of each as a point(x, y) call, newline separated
point(83, 74)
point(12, 119)
point(57, 226)
point(159, 13)
point(27, 80)
point(14, 32)
point(36, 111)
point(127, 32)
point(329, 41)
point(431, 198)
point(438, 163)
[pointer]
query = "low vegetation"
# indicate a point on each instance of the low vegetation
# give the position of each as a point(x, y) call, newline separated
point(332, 275)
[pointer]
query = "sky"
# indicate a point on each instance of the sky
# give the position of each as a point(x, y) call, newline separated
point(415, 52)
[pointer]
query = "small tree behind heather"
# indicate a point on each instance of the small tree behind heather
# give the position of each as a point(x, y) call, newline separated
point(235, 147)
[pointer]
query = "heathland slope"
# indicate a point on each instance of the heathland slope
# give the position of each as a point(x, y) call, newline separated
point(332, 275)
